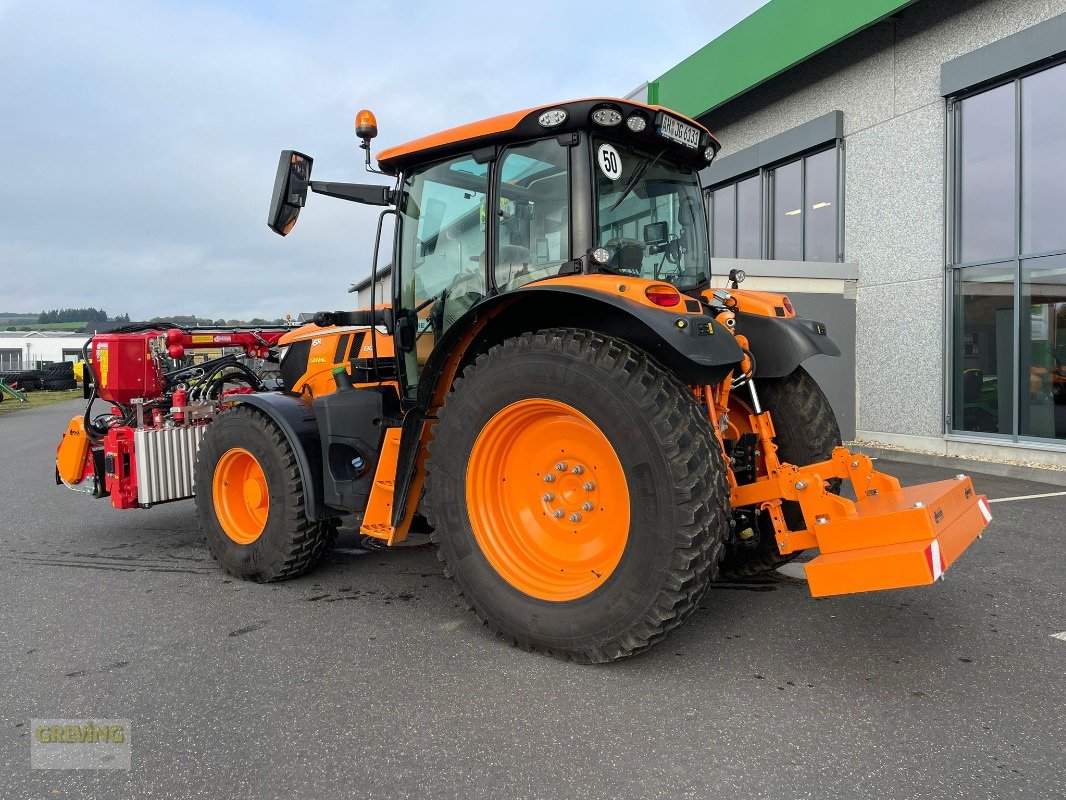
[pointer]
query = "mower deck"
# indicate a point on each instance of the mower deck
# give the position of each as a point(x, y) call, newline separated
point(912, 535)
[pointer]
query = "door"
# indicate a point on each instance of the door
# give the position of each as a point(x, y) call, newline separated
point(443, 213)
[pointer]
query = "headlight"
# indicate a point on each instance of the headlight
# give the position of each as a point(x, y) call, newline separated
point(552, 118)
point(607, 117)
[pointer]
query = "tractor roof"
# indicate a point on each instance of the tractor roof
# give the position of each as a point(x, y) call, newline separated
point(522, 125)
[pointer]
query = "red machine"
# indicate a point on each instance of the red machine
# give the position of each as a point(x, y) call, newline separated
point(161, 400)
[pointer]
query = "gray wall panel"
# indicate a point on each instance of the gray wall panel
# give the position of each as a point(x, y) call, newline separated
point(836, 376)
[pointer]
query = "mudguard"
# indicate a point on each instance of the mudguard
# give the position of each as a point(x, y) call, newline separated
point(297, 422)
point(688, 342)
point(780, 344)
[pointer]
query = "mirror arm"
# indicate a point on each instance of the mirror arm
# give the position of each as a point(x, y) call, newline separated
point(356, 192)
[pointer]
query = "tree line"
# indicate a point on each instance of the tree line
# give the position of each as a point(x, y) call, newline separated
point(79, 315)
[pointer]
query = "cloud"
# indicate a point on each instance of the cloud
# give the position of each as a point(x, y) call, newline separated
point(142, 137)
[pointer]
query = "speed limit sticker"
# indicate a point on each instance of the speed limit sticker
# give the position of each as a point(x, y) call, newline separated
point(610, 162)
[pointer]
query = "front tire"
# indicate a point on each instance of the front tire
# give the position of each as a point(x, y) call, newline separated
point(577, 494)
point(250, 500)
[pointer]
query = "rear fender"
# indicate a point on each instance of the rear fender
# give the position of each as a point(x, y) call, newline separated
point(688, 342)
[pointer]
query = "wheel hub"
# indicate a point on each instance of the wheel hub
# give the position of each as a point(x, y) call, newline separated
point(240, 495)
point(548, 499)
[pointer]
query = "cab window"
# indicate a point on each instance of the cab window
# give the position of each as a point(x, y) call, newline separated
point(533, 218)
point(442, 248)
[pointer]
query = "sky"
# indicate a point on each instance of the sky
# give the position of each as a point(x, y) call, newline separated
point(142, 138)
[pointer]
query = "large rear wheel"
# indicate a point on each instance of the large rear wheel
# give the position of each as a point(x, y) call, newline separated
point(577, 493)
point(250, 500)
point(807, 432)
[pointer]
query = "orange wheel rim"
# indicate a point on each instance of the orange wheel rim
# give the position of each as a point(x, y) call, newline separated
point(548, 500)
point(240, 494)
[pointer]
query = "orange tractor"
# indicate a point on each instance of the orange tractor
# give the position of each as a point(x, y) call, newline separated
point(593, 431)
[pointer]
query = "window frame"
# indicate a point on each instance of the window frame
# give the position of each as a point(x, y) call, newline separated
point(954, 269)
point(766, 175)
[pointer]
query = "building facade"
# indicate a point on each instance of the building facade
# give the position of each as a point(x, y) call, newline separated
point(30, 349)
point(900, 169)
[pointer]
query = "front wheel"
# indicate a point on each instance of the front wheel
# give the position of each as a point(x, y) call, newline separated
point(577, 493)
point(250, 500)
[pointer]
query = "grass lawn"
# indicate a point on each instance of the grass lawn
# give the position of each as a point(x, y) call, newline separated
point(36, 399)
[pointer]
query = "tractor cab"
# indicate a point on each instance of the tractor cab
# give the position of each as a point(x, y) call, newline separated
point(600, 186)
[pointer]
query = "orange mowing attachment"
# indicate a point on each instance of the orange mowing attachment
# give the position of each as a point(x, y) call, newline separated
point(889, 538)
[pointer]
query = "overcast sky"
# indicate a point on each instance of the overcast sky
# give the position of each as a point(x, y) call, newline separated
point(142, 137)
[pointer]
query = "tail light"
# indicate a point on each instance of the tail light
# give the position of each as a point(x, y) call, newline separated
point(663, 295)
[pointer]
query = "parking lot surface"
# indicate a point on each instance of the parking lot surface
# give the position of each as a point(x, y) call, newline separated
point(366, 678)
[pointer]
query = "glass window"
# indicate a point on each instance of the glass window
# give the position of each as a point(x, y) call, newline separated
point(533, 221)
point(984, 348)
point(651, 219)
point(987, 175)
point(724, 221)
point(820, 205)
point(1042, 410)
point(749, 218)
point(803, 212)
point(1044, 160)
point(442, 248)
point(788, 212)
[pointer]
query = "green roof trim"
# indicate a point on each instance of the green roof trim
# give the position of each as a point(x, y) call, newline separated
point(774, 38)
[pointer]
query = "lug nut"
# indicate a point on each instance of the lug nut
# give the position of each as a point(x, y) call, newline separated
point(578, 469)
point(561, 466)
point(549, 478)
point(547, 498)
point(587, 506)
point(575, 517)
point(589, 486)
point(558, 514)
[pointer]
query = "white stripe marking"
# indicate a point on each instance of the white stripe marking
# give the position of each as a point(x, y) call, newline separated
point(986, 512)
point(1027, 497)
point(1059, 636)
point(936, 560)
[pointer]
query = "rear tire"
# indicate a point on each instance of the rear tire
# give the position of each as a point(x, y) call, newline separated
point(284, 544)
point(807, 432)
point(662, 507)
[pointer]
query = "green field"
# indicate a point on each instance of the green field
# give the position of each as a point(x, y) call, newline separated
point(35, 400)
point(52, 326)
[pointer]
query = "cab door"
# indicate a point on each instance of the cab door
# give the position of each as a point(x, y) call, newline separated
point(442, 239)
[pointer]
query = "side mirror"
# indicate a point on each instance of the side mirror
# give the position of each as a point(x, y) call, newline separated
point(290, 191)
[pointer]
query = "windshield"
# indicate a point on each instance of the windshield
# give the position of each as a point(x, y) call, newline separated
point(650, 215)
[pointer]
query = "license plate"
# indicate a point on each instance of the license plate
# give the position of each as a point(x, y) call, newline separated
point(679, 132)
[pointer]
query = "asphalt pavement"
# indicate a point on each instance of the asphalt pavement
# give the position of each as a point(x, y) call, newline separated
point(366, 678)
